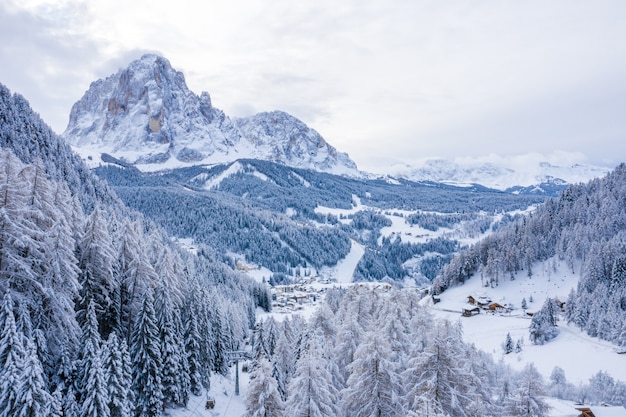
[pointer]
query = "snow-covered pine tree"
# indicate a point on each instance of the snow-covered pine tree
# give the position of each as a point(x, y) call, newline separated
point(33, 397)
point(134, 274)
point(94, 394)
point(90, 381)
point(543, 324)
point(192, 347)
point(11, 358)
point(56, 405)
point(374, 387)
point(146, 360)
point(263, 399)
point(283, 365)
point(312, 392)
point(171, 355)
point(508, 344)
point(96, 259)
point(436, 377)
point(117, 370)
point(526, 400)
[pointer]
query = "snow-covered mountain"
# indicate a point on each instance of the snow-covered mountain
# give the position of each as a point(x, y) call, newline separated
point(146, 115)
point(280, 137)
point(500, 176)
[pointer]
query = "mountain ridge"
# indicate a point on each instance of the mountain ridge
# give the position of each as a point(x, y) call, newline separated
point(506, 176)
point(146, 115)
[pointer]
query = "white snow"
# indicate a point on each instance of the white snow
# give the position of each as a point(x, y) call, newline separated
point(343, 271)
point(580, 355)
point(215, 182)
point(227, 404)
point(498, 172)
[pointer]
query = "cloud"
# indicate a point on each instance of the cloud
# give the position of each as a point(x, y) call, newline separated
point(381, 80)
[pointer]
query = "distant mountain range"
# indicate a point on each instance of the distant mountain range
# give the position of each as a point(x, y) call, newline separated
point(146, 115)
point(537, 178)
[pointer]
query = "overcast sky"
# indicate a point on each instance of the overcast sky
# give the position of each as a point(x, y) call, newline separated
point(387, 81)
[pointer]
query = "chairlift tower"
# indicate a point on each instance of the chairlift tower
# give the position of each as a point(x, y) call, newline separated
point(236, 356)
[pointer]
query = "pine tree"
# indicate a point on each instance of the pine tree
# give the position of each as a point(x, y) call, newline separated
point(508, 344)
point(146, 360)
point(33, 398)
point(312, 391)
point(543, 324)
point(96, 258)
point(283, 365)
point(373, 388)
point(11, 358)
point(135, 273)
point(192, 350)
point(526, 399)
point(263, 399)
point(91, 384)
point(56, 405)
point(94, 395)
point(437, 380)
point(117, 369)
point(171, 355)
point(89, 347)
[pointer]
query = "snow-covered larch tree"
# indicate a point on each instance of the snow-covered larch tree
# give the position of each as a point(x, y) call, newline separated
point(263, 399)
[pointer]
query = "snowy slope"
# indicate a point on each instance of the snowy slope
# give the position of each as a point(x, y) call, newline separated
point(146, 115)
point(488, 331)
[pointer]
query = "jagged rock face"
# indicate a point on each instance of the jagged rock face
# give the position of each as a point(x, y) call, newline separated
point(280, 137)
point(145, 114)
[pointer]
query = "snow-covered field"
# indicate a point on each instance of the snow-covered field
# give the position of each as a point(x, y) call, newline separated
point(580, 355)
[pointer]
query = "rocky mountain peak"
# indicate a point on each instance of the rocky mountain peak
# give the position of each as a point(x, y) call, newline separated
point(146, 115)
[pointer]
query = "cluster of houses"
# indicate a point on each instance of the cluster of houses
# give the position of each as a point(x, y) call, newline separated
point(292, 297)
point(601, 411)
point(483, 303)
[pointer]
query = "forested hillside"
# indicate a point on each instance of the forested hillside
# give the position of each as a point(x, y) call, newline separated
point(369, 353)
point(101, 314)
point(267, 213)
point(585, 228)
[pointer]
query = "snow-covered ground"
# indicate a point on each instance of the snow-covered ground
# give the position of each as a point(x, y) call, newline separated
point(580, 355)
point(222, 391)
point(343, 271)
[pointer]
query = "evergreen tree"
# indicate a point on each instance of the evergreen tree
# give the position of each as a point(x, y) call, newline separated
point(192, 350)
point(373, 388)
point(11, 359)
point(508, 344)
point(526, 399)
point(96, 258)
point(283, 365)
point(146, 361)
point(33, 398)
point(543, 324)
point(135, 274)
point(94, 395)
point(437, 380)
point(171, 355)
point(89, 347)
point(263, 399)
point(312, 391)
point(117, 369)
point(56, 405)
